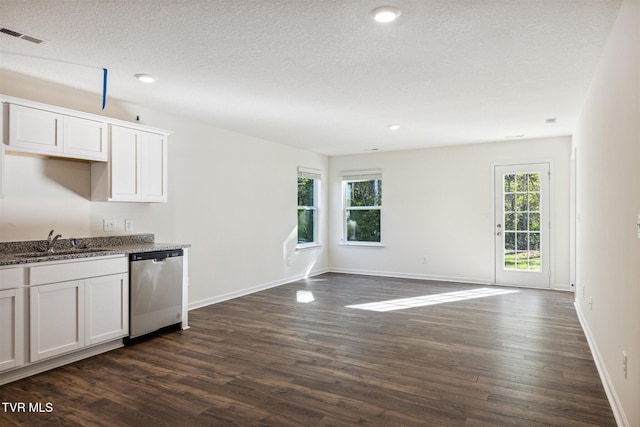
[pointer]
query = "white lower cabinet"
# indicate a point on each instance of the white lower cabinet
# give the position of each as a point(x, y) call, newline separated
point(11, 328)
point(53, 313)
point(77, 310)
point(106, 308)
point(56, 319)
point(12, 318)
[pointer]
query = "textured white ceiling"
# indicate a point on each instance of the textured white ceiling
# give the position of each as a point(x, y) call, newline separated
point(321, 74)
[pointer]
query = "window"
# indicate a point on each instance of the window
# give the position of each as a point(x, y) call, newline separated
point(308, 190)
point(362, 205)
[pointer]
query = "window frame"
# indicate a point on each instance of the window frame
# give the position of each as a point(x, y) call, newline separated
point(316, 176)
point(360, 176)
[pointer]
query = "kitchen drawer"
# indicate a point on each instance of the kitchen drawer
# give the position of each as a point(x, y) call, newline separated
point(77, 270)
point(11, 278)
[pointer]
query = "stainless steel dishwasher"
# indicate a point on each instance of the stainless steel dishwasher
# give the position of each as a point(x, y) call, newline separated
point(155, 283)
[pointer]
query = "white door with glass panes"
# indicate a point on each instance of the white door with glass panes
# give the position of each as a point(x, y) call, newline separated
point(522, 225)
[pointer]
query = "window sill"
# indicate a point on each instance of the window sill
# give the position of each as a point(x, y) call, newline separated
point(308, 246)
point(363, 244)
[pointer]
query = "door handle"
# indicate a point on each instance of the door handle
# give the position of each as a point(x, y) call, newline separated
point(499, 226)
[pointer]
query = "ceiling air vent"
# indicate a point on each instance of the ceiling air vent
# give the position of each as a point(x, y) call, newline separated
point(18, 35)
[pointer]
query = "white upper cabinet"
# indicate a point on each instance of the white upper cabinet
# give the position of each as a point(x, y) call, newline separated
point(129, 161)
point(35, 129)
point(84, 138)
point(125, 164)
point(137, 169)
point(48, 132)
point(153, 156)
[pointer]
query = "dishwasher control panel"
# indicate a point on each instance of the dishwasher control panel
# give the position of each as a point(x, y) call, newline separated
point(158, 255)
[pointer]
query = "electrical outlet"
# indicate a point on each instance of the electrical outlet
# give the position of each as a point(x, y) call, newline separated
point(624, 364)
point(128, 225)
point(109, 225)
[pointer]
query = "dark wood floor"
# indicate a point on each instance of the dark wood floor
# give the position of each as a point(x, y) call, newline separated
point(518, 359)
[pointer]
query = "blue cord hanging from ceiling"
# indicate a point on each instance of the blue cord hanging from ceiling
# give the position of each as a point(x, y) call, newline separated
point(104, 88)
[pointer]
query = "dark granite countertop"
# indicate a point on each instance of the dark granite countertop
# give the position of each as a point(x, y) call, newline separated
point(32, 251)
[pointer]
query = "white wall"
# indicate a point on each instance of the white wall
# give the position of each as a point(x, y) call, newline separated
point(44, 194)
point(231, 196)
point(437, 203)
point(607, 141)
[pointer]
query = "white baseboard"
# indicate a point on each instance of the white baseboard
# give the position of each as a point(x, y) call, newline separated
point(56, 362)
point(231, 295)
point(565, 287)
point(471, 280)
point(247, 291)
point(614, 401)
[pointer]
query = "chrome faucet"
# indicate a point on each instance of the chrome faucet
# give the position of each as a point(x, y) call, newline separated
point(52, 240)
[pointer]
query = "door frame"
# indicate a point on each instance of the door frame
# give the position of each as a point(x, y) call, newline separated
point(493, 223)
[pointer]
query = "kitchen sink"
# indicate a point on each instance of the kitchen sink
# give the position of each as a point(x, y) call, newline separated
point(65, 252)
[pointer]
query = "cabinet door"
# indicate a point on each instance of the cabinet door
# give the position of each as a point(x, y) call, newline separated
point(11, 328)
point(153, 156)
point(35, 129)
point(106, 308)
point(85, 139)
point(56, 319)
point(125, 164)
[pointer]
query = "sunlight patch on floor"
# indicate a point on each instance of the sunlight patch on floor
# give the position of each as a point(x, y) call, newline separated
point(304, 296)
point(421, 301)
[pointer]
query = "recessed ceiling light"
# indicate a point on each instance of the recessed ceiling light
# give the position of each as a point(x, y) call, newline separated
point(385, 14)
point(393, 127)
point(146, 78)
point(551, 120)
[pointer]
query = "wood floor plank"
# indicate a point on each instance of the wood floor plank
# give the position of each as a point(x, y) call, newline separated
point(516, 359)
